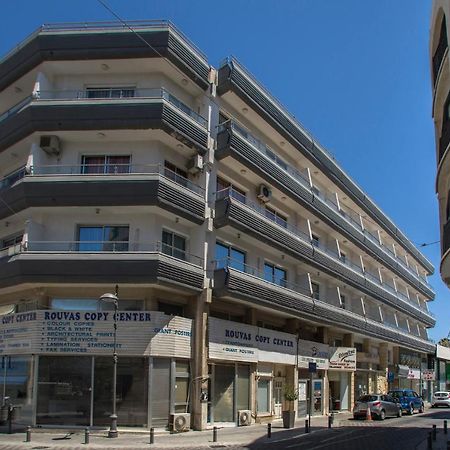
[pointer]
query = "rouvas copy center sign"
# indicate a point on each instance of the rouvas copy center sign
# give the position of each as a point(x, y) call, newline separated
point(91, 332)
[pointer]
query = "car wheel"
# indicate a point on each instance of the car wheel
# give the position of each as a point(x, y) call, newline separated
point(399, 413)
point(422, 408)
point(382, 415)
point(411, 409)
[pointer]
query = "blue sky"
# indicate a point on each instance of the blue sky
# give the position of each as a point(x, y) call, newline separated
point(355, 73)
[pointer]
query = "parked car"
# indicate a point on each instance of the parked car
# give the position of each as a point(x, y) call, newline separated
point(440, 398)
point(381, 406)
point(409, 400)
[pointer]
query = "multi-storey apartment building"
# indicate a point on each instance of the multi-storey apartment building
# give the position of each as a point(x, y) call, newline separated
point(242, 251)
point(440, 77)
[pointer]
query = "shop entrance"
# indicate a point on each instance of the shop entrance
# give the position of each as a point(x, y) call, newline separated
point(278, 388)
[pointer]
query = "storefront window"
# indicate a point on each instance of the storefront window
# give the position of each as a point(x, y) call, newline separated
point(263, 396)
point(64, 390)
point(160, 392)
point(243, 387)
point(223, 393)
point(181, 386)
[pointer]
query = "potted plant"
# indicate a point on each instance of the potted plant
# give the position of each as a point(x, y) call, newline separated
point(290, 397)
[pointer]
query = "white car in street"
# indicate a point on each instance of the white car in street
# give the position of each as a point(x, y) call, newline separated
point(440, 398)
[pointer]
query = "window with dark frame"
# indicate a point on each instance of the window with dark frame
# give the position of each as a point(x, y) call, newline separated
point(103, 238)
point(224, 188)
point(275, 216)
point(173, 244)
point(275, 274)
point(176, 174)
point(105, 164)
point(229, 256)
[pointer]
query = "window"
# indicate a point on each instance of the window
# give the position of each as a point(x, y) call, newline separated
point(173, 245)
point(110, 92)
point(226, 255)
point(263, 396)
point(224, 188)
point(102, 164)
point(11, 241)
point(342, 297)
point(171, 309)
point(176, 174)
point(103, 238)
point(275, 216)
point(274, 274)
point(315, 240)
point(358, 346)
point(315, 290)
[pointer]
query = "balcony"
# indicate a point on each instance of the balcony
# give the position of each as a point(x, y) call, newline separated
point(152, 108)
point(251, 219)
point(233, 77)
point(235, 141)
point(440, 52)
point(105, 40)
point(247, 284)
point(102, 185)
point(100, 262)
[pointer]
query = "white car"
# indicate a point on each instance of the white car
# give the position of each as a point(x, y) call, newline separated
point(441, 398)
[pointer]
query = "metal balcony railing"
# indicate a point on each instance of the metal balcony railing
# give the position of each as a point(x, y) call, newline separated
point(106, 95)
point(352, 217)
point(231, 193)
point(108, 247)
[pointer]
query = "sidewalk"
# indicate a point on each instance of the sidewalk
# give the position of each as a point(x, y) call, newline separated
point(227, 437)
point(439, 444)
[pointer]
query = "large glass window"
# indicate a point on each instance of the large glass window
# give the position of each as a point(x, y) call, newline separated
point(275, 274)
point(110, 92)
point(275, 216)
point(64, 390)
point(224, 188)
point(263, 396)
point(94, 304)
point(223, 389)
point(173, 244)
point(243, 387)
point(182, 371)
point(226, 255)
point(176, 174)
point(102, 164)
point(103, 238)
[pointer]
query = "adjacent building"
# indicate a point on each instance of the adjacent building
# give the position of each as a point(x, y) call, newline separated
point(241, 250)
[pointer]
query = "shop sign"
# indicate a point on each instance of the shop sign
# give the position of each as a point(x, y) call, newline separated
point(428, 375)
point(313, 352)
point(442, 352)
point(144, 333)
point(342, 358)
point(240, 342)
point(413, 374)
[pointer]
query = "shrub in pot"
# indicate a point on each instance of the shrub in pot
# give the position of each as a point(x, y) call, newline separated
point(290, 397)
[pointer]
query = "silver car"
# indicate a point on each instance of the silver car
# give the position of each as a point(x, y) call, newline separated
point(440, 398)
point(381, 406)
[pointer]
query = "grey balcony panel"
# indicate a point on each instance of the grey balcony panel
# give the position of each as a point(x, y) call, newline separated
point(33, 192)
point(234, 284)
point(107, 45)
point(233, 213)
point(101, 116)
point(231, 78)
point(99, 268)
point(232, 144)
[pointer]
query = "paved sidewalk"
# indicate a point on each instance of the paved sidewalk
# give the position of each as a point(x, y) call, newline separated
point(232, 437)
point(439, 444)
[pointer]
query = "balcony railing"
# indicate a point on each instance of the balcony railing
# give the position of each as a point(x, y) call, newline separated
point(439, 54)
point(352, 217)
point(102, 95)
point(227, 263)
point(107, 247)
point(231, 193)
point(100, 170)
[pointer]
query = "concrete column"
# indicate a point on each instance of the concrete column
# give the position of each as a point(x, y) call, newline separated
point(349, 341)
point(322, 333)
point(250, 316)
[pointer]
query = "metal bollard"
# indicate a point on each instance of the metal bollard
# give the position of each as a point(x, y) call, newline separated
point(429, 441)
point(86, 435)
point(434, 432)
point(330, 421)
point(269, 430)
point(28, 435)
point(215, 434)
point(152, 435)
point(306, 426)
point(445, 427)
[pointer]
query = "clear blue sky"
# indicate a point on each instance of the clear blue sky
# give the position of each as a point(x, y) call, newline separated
point(355, 73)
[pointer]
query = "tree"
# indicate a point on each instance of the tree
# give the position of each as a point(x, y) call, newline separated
point(445, 342)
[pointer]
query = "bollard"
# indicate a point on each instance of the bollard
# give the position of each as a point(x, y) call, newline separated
point(86, 435)
point(445, 427)
point(269, 430)
point(215, 434)
point(28, 435)
point(434, 432)
point(10, 415)
point(306, 426)
point(152, 435)
point(430, 441)
point(330, 421)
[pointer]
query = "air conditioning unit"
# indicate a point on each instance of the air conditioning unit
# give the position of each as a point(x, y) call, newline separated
point(180, 422)
point(51, 145)
point(244, 417)
point(195, 164)
point(264, 193)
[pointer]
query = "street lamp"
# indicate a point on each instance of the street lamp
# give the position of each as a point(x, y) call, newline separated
point(113, 298)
